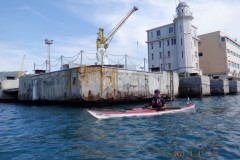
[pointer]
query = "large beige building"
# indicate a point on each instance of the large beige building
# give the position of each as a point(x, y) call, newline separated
point(219, 55)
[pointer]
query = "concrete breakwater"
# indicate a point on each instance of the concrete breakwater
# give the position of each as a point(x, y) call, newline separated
point(194, 86)
point(204, 86)
point(96, 83)
point(112, 84)
point(9, 89)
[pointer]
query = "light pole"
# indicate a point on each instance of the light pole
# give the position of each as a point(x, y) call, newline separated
point(49, 42)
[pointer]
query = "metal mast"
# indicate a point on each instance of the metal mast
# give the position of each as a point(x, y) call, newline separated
point(103, 42)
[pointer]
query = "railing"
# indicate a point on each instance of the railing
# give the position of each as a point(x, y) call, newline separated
point(183, 14)
point(84, 58)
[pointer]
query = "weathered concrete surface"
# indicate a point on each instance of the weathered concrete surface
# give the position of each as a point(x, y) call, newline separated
point(9, 89)
point(219, 86)
point(95, 83)
point(25, 88)
point(234, 86)
point(196, 86)
point(9, 84)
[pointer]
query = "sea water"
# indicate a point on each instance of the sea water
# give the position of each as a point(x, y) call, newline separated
point(212, 131)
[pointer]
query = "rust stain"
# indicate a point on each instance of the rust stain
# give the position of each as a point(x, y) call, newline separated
point(90, 96)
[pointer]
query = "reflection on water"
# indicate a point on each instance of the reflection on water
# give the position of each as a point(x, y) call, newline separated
point(60, 132)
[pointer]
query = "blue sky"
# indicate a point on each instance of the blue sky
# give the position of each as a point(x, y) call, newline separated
point(73, 25)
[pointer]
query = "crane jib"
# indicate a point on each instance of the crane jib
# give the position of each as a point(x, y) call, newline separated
point(104, 41)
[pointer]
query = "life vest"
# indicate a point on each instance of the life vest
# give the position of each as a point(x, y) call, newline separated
point(158, 102)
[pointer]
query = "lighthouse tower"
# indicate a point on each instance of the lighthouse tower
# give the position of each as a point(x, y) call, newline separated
point(174, 46)
point(183, 28)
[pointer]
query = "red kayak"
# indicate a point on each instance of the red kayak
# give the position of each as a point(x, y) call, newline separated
point(139, 112)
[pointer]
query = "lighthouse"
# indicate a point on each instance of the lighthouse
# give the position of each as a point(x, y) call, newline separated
point(183, 27)
point(175, 46)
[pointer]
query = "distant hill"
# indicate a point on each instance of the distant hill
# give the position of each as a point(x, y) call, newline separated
point(4, 74)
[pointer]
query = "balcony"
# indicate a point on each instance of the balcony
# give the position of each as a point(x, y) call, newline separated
point(190, 14)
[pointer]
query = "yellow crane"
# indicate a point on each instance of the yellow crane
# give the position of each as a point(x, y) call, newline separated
point(103, 41)
point(20, 73)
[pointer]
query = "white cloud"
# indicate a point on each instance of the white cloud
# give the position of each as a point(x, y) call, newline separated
point(208, 15)
point(31, 10)
point(217, 15)
point(11, 58)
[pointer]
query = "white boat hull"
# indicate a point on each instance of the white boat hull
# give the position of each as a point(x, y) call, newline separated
point(138, 112)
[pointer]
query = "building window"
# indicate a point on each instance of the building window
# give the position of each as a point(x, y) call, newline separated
point(174, 40)
point(161, 66)
point(227, 50)
point(182, 54)
point(223, 38)
point(196, 65)
point(152, 66)
point(170, 29)
point(151, 34)
point(200, 54)
point(152, 45)
point(180, 29)
point(169, 54)
point(158, 33)
point(74, 80)
point(168, 42)
point(152, 56)
point(169, 66)
point(229, 63)
point(181, 41)
point(160, 44)
point(196, 55)
point(160, 55)
point(195, 43)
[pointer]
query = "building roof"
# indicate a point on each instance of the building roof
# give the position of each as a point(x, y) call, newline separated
point(222, 34)
point(160, 27)
point(4, 75)
point(182, 4)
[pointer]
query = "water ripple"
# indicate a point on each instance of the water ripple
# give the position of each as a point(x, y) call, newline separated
point(60, 132)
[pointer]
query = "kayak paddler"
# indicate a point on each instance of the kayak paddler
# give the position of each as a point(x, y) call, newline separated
point(158, 101)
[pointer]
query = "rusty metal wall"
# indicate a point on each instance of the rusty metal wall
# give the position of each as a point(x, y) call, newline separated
point(93, 83)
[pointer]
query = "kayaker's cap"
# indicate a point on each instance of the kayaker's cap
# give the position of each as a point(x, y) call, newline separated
point(157, 91)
